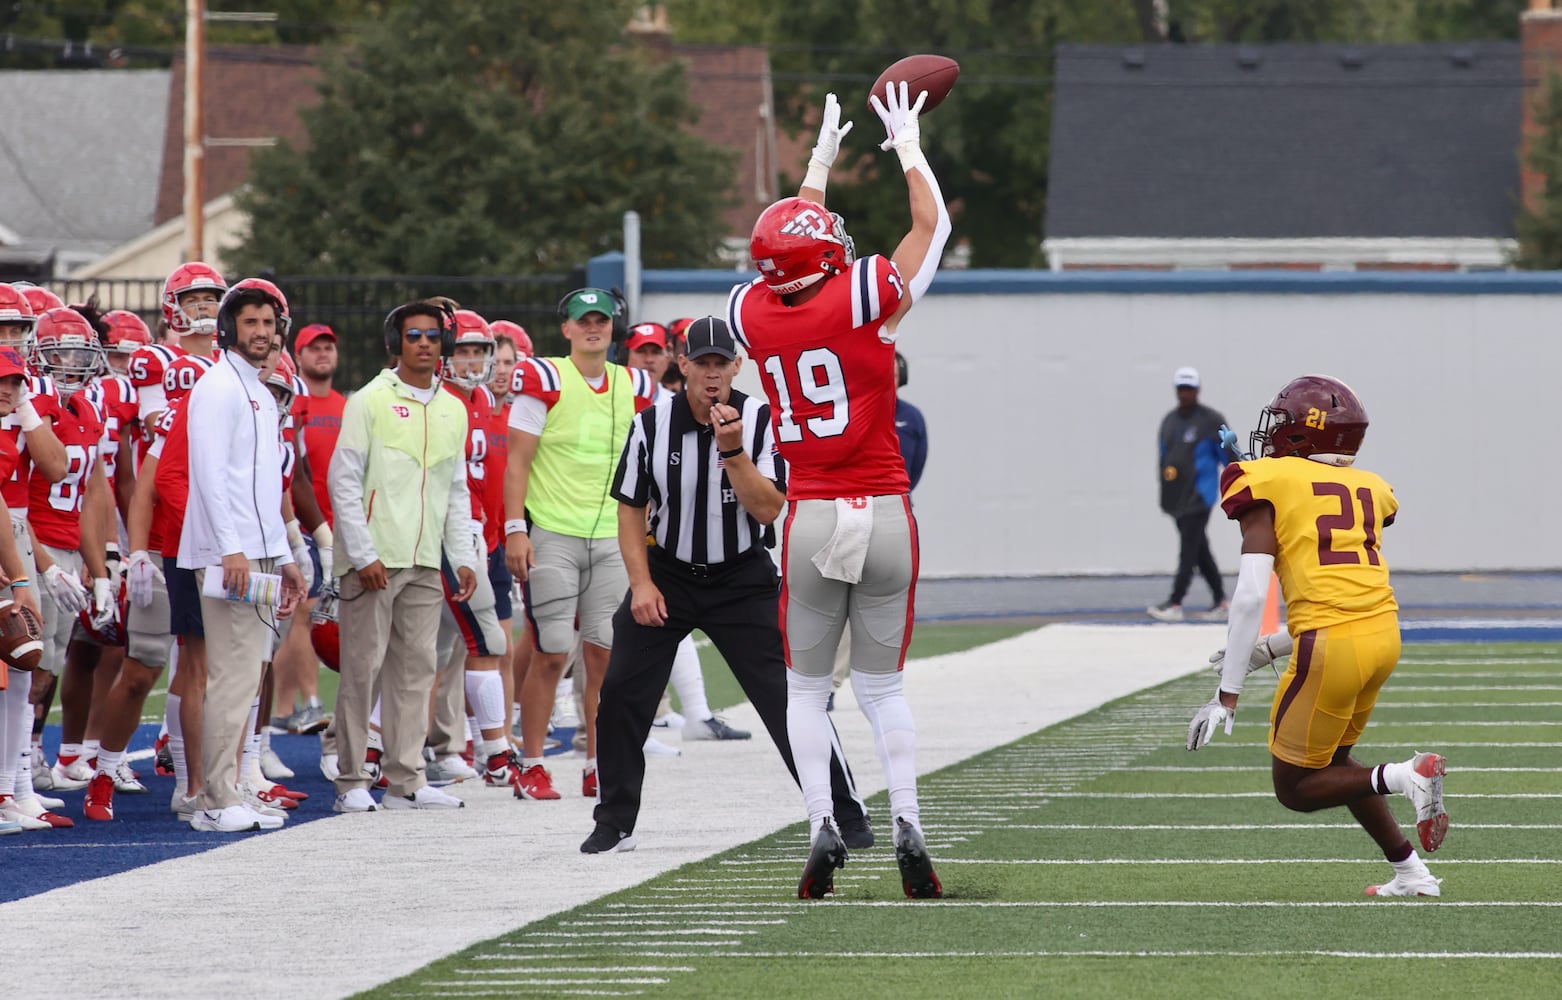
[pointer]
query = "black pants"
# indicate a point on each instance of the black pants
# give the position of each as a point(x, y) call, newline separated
point(1193, 529)
point(738, 608)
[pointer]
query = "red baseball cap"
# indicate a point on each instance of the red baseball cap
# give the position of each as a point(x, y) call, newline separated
point(11, 363)
point(642, 334)
point(311, 333)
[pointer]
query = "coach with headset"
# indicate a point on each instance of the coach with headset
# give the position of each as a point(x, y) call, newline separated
point(568, 421)
point(401, 456)
point(233, 526)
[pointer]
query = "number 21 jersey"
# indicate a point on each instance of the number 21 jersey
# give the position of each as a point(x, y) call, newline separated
point(1329, 520)
point(828, 367)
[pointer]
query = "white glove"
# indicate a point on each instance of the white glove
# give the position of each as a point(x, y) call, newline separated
point(104, 608)
point(1209, 718)
point(518, 596)
point(900, 121)
point(831, 132)
point(143, 574)
point(66, 589)
point(1268, 649)
point(306, 565)
point(115, 564)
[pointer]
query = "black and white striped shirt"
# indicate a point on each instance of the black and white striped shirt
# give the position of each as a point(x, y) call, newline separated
point(672, 465)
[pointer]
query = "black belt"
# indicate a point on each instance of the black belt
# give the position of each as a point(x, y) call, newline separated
point(703, 571)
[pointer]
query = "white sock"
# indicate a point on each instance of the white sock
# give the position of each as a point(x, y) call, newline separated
point(109, 761)
point(254, 717)
point(15, 727)
point(689, 682)
point(591, 763)
point(1411, 867)
point(530, 761)
point(485, 693)
point(71, 750)
point(90, 748)
point(474, 731)
point(515, 714)
point(181, 766)
point(249, 758)
point(376, 741)
point(882, 699)
point(487, 748)
point(265, 741)
point(171, 718)
point(24, 769)
point(808, 730)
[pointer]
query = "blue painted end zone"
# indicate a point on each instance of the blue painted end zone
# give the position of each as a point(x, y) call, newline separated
point(143, 831)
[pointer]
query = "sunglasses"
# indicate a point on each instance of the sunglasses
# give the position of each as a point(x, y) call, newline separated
point(415, 335)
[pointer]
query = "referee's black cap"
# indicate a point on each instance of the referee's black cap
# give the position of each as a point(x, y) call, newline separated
point(710, 336)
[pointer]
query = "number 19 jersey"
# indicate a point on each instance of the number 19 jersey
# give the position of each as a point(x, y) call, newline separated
point(828, 367)
point(1328, 520)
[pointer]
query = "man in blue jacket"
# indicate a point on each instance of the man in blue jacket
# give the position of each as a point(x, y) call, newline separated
point(1191, 458)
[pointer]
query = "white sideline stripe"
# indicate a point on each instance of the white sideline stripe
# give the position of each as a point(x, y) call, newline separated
point(1464, 704)
point(608, 922)
point(522, 970)
point(1232, 795)
point(614, 980)
point(387, 860)
point(1232, 861)
point(1098, 953)
point(1239, 827)
point(1506, 675)
point(1444, 723)
point(506, 993)
point(1103, 904)
point(144, 718)
point(678, 932)
point(1381, 745)
point(1452, 770)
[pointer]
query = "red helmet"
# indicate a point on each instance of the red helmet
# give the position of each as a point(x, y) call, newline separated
point(678, 329)
point(1314, 416)
point(797, 242)
point(41, 299)
point(245, 292)
point(192, 277)
point(126, 331)
point(16, 310)
point(66, 348)
point(516, 332)
point(284, 378)
point(472, 329)
point(324, 632)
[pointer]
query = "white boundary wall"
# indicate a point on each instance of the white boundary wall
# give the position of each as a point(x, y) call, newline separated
point(1043, 408)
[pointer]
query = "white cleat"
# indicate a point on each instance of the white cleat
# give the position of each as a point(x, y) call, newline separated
point(231, 819)
point(329, 768)
point(427, 797)
point(449, 770)
point(1423, 884)
point(68, 777)
point(356, 800)
point(125, 780)
point(1422, 779)
point(656, 748)
point(10, 812)
point(272, 767)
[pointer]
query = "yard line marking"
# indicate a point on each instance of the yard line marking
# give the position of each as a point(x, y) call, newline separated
point(1239, 827)
point(608, 922)
point(1175, 769)
point(624, 934)
point(1399, 688)
point(1499, 674)
point(617, 981)
point(1505, 745)
point(1234, 904)
point(522, 970)
point(1233, 795)
point(1380, 723)
point(733, 943)
point(1231, 861)
point(1097, 953)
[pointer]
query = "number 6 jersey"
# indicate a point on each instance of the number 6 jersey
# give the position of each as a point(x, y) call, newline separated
point(1328, 520)
point(828, 366)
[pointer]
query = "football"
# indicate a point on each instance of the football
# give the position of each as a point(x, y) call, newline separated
point(934, 74)
point(21, 635)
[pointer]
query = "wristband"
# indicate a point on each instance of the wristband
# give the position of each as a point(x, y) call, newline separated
point(515, 526)
point(322, 536)
point(910, 156)
point(21, 581)
point(734, 453)
point(27, 414)
point(818, 175)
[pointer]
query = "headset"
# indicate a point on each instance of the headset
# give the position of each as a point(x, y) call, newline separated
point(619, 314)
point(227, 325)
point(447, 324)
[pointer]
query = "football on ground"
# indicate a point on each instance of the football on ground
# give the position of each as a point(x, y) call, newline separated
point(934, 74)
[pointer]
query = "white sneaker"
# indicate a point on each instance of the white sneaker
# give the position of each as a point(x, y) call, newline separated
point(43, 774)
point(1422, 884)
point(672, 720)
point(48, 801)
point(182, 805)
point(564, 716)
point(328, 767)
point(256, 804)
point(656, 748)
point(266, 820)
point(10, 812)
point(1167, 612)
point(9, 826)
point(427, 797)
point(1421, 777)
point(71, 776)
point(448, 770)
point(125, 780)
point(272, 767)
point(232, 819)
point(357, 800)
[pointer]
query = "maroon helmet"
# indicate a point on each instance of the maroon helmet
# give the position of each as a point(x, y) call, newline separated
point(1311, 415)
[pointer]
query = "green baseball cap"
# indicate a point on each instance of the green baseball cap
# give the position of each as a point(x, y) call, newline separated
point(589, 300)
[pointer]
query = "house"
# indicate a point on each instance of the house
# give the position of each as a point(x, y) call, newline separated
point(1295, 156)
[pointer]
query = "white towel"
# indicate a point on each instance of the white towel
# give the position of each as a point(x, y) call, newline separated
point(843, 555)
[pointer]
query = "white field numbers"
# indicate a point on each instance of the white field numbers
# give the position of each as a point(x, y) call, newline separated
point(829, 390)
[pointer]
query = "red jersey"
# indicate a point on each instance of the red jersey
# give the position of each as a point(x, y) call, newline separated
point(8, 455)
point(147, 367)
point(479, 411)
point(828, 367)
point(493, 476)
point(173, 480)
point(54, 509)
point(180, 377)
point(15, 490)
point(116, 398)
point(320, 429)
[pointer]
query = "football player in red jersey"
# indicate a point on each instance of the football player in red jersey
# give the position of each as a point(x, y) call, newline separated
point(821, 326)
point(514, 346)
point(127, 334)
point(189, 303)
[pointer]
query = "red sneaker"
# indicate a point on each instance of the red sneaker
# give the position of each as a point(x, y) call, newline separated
point(274, 796)
point(502, 769)
point(164, 757)
point(295, 796)
point(99, 804)
point(535, 783)
point(371, 760)
point(588, 782)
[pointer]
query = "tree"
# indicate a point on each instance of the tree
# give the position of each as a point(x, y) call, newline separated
point(1539, 223)
point(494, 138)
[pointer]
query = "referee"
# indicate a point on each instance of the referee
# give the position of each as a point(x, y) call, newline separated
point(703, 462)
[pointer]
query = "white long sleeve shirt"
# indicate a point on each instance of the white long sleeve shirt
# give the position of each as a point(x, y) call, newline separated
point(235, 500)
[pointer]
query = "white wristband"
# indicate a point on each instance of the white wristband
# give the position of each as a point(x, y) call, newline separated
point(818, 175)
point(514, 526)
point(322, 536)
point(27, 413)
point(295, 536)
point(910, 156)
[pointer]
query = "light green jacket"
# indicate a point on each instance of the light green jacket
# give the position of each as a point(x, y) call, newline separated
point(398, 479)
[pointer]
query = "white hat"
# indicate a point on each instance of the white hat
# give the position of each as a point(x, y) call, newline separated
point(1186, 377)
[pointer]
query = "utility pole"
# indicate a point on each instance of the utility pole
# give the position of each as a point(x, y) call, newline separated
point(194, 130)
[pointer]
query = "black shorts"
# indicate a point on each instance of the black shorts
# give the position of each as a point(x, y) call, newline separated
point(184, 600)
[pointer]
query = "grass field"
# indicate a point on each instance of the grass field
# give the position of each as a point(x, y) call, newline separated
point(1099, 858)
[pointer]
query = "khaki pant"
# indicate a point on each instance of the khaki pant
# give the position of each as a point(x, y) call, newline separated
point(237, 641)
point(387, 642)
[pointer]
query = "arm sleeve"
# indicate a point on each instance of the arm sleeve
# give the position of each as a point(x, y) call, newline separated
point(211, 421)
point(1246, 617)
point(345, 482)
point(917, 284)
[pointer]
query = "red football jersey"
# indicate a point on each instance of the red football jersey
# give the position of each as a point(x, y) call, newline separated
point(172, 480)
point(147, 367)
point(493, 476)
point(180, 377)
point(479, 410)
point(8, 455)
point(116, 398)
point(828, 367)
point(16, 489)
point(54, 509)
point(320, 429)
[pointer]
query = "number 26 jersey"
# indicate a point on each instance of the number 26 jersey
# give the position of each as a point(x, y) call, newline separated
point(1329, 521)
point(828, 367)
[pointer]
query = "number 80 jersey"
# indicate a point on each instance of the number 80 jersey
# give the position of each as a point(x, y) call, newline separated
point(1329, 520)
point(828, 367)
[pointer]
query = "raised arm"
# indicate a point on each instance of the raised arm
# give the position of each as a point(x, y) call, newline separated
point(831, 132)
point(922, 248)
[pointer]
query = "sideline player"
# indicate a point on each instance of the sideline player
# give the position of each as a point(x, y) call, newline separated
point(1310, 516)
point(821, 327)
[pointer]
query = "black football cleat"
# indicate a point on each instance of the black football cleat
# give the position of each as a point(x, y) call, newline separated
point(606, 840)
point(916, 868)
point(827, 854)
point(857, 831)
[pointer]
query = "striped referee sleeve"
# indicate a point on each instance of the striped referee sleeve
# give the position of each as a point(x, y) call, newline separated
point(632, 480)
